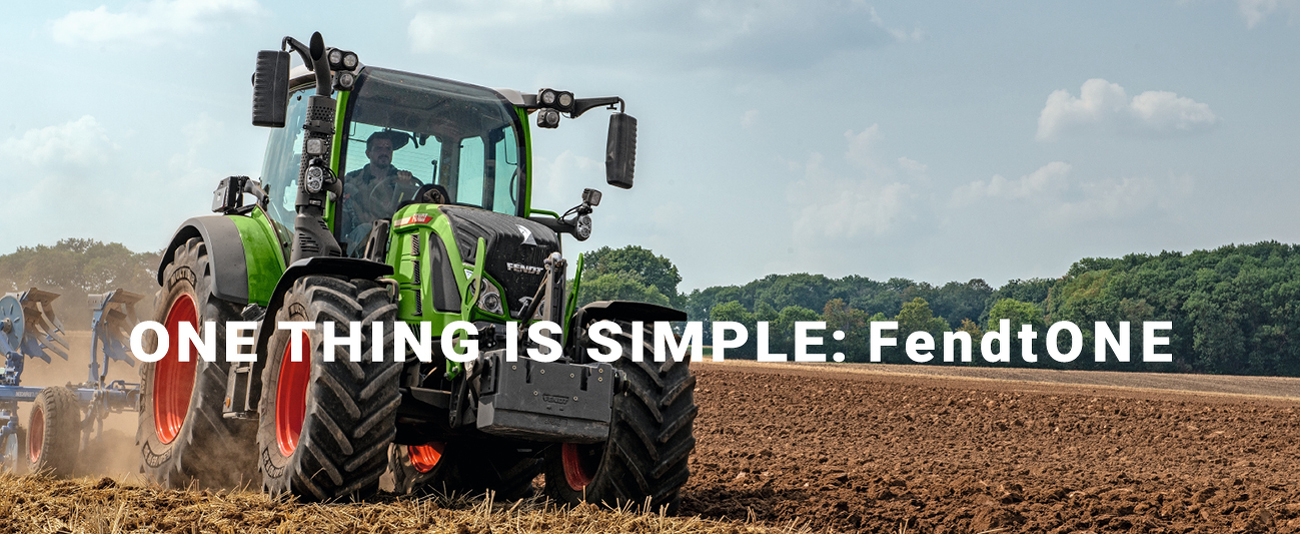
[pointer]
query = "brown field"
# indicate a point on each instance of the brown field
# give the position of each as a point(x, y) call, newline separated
point(852, 448)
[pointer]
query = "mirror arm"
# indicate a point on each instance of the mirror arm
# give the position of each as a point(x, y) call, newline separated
point(557, 225)
point(301, 49)
point(582, 105)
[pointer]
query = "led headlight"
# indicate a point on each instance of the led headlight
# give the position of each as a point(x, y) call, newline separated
point(582, 230)
point(490, 298)
point(546, 97)
point(565, 100)
point(336, 57)
point(315, 179)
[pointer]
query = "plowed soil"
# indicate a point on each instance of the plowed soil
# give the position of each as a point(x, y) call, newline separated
point(855, 448)
point(881, 451)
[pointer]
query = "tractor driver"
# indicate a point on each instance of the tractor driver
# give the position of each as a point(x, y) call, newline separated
point(374, 191)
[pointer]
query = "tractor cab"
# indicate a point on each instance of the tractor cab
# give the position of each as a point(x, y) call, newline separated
point(400, 132)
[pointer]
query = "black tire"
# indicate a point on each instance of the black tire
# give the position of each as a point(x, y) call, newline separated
point(199, 447)
point(346, 411)
point(55, 433)
point(650, 438)
point(468, 468)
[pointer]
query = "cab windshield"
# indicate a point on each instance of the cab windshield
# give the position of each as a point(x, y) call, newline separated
point(406, 131)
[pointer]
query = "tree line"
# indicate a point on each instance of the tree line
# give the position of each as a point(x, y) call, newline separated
point(1235, 309)
point(76, 268)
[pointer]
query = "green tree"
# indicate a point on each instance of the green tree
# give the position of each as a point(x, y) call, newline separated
point(735, 311)
point(782, 329)
point(616, 287)
point(854, 323)
point(638, 264)
point(75, 268)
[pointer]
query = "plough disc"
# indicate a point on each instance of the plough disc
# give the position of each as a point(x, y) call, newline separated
point(29, 326)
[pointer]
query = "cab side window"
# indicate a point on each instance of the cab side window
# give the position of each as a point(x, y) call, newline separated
point(283, 157)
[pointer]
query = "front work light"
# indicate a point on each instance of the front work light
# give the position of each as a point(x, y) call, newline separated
point(342, 60)
point(564, 101)
point(548, 118)
point(344, 80)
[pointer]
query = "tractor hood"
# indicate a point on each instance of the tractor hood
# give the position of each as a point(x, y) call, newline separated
point(516, 249)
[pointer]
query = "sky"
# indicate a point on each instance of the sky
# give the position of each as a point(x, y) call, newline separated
point(934, 141)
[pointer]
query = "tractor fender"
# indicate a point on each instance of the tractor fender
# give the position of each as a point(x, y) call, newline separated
point(622, 310)
point(230, 269)
point(350, 267)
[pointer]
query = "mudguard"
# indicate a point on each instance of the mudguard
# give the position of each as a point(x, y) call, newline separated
point(230, 279)
point(350, 267)
point(244, 385)
point(621, 310)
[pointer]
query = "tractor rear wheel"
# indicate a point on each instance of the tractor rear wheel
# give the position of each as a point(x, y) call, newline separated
point(326, 425)
point(182, 435)
point(464, 467)
point(650, 438)
point(54, 433)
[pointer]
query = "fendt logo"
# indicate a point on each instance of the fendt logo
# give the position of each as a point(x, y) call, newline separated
point(521, 268)
point(528, 235)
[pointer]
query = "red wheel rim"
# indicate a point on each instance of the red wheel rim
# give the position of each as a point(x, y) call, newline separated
point(579, 464)
point(291, 395)
point(174, 379)
point(425, 457)
point(36, 434)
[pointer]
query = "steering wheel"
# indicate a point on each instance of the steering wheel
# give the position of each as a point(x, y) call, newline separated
point(432, 194)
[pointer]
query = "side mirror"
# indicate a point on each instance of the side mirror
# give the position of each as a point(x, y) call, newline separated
point(620, 150)
point(271, 88)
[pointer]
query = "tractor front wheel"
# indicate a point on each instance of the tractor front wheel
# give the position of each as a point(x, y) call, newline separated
point(54, 433)
point(182, 435)
point(650, 439)
point(326, 425)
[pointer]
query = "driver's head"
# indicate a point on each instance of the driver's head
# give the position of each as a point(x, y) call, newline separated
point(380, 146)
point(380, 152)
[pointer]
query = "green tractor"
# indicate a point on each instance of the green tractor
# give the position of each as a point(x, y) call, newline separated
point(388, 200)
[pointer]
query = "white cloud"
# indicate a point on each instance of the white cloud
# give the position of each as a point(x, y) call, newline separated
point(1050, 178)
point(861, 146)
point(98, 173)
point(709, 34)
point(73, 147)
point(1053, 195)
point(899, 34)
point(555, 180)
point(150, 23)
point(835, 203)
point(1126, 197)
point(840, 207)
point(1254, 11)
point(1106, 106)
point(914, 168)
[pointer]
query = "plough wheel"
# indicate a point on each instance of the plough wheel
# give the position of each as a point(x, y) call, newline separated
point(54, 433)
